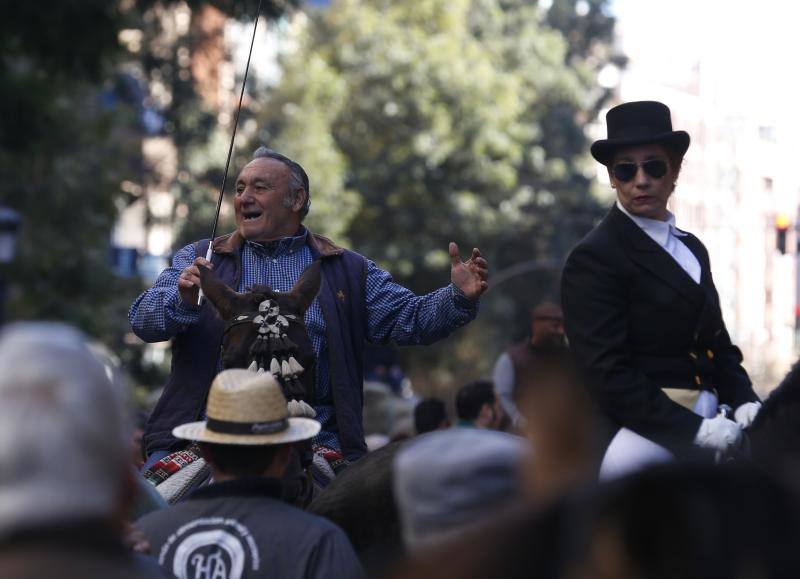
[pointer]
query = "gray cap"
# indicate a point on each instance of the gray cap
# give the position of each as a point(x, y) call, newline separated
point(63, 446)
point(449, 480)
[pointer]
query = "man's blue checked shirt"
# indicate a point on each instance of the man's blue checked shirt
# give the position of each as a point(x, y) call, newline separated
point(394, 313)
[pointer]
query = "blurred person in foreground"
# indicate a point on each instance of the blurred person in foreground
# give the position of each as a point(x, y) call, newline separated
point(238, 526)
point(546, 332)
point(560, 419)
point(641, 310)
point(478, 406)
point(534, 537)
point(430, 414)
point(450, 481)
point(693, 522)
point(688, 520)
point(358, 303)
point(665, 521)
point(66, 482)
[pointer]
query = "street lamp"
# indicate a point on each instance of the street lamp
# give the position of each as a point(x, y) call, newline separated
point(9, 226)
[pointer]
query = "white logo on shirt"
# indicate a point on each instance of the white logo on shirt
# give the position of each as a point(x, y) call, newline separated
point(210, 548)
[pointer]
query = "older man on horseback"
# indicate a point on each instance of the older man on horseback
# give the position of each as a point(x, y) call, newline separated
point(358, 302)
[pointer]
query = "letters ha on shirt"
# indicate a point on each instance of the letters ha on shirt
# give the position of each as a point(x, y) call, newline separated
point(210, 548)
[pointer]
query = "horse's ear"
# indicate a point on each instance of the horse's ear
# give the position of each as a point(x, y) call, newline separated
point(226, 301)
point(307, 287)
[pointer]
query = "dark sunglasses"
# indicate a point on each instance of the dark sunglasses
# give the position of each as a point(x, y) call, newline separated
point(626, 171)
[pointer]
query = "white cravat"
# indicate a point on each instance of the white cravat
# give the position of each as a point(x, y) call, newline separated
point(666, 235)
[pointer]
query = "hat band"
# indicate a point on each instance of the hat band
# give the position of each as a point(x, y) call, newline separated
point(639, 132)
point(228, 427)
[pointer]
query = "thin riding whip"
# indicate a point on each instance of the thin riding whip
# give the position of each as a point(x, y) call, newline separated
point(210, 251)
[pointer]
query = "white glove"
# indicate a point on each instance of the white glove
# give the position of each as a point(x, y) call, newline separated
point(746, 413)
point(718, 433)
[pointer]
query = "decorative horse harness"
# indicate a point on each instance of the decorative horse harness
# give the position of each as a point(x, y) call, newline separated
point(274, 350)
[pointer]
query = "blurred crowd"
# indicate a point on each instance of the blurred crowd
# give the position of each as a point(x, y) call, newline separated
point(506, 487)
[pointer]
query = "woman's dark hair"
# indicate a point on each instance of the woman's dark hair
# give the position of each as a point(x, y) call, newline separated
point(675, 162)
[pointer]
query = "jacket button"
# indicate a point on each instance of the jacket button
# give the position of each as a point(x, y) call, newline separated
point(697, 380)
point(710, 354)
point(693, 356)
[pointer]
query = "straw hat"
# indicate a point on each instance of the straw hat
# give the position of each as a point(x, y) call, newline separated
point(248, 409)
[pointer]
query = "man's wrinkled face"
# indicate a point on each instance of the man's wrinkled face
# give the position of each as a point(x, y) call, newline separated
point(644, 195)
point(262, 189)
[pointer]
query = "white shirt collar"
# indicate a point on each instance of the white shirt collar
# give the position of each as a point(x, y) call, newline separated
point(658, 230)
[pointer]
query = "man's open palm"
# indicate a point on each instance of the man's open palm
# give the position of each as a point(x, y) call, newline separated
point(469, 276)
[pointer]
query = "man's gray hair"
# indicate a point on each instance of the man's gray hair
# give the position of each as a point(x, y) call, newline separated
point(62, 434)
point(298, 180)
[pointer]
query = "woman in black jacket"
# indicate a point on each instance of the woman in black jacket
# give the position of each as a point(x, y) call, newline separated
point(641, 310)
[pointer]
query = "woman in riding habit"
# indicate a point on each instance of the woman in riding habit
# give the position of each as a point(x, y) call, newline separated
point(641, 310)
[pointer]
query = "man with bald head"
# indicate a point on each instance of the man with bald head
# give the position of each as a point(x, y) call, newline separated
point(359, 302)
point(547, 333)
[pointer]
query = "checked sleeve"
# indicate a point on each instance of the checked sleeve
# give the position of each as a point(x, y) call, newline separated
point(395, 313)
point(160, 313)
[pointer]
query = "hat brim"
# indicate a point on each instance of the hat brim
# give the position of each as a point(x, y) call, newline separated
point(604, 149)
point(299, 429)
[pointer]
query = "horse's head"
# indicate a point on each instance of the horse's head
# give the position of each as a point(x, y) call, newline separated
point(265, 330)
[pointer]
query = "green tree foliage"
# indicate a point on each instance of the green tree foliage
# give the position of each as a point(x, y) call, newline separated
point(421, 122)
point(200, 138)
point(62, 157)
point(195, 130)
point(69, 138)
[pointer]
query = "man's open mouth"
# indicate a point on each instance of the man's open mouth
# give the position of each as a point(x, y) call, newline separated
point(252, 214)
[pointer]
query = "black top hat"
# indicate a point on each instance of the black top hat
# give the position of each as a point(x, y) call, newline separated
point(639, 123)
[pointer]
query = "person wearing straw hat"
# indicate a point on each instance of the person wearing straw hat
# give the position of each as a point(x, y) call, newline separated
point(238, 527)
point(641, 310)
point(358, 303)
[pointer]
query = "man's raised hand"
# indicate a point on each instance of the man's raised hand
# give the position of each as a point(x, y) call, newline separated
point(189, 281)
point(469, 276)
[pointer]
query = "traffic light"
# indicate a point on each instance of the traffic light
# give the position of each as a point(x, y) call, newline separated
point(781, 227)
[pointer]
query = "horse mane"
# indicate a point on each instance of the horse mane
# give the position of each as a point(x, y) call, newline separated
point(785, 394)
point(775, 432)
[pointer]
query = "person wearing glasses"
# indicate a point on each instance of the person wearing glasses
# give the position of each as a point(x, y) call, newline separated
point(642, 313)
